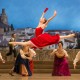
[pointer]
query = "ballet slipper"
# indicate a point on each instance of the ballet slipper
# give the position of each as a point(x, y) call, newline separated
point(45, 10)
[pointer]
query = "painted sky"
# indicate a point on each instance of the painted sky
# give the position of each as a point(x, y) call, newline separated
point(26, 13)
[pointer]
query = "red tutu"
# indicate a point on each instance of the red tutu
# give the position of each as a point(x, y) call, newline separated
point(45, 39)
point(38, 31)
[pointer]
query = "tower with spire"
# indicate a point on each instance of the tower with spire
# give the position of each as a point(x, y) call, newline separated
point(4, 26)
point(4, 17)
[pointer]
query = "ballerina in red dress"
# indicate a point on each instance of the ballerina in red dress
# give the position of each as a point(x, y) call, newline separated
point(43, 39)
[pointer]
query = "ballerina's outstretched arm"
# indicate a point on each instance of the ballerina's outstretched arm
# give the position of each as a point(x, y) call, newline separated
point(55, 13)
point(44, 13)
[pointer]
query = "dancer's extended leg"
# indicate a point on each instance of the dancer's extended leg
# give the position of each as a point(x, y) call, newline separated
point(28, 43)
point(67, 36)
point(43, 40)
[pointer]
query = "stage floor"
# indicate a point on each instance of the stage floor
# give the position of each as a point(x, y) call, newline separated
point(39, 77)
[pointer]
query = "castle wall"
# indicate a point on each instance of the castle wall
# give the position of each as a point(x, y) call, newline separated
point(44, 55)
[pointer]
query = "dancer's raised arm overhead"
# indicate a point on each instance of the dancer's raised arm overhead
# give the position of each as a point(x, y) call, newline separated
point(55, 13)
point(44, 12)
point(43, 21)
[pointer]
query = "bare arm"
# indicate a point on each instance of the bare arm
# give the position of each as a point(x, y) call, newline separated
point(42, 15)
point(32, 53)
point(55, 13)
point(66, 54)
point(53, 52)
point(44, 12)
point(2, 58)
point(23, 56)
point(30, 58)
point(77, 58)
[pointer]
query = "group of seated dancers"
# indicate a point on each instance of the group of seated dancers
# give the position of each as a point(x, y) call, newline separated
point(22, 63)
